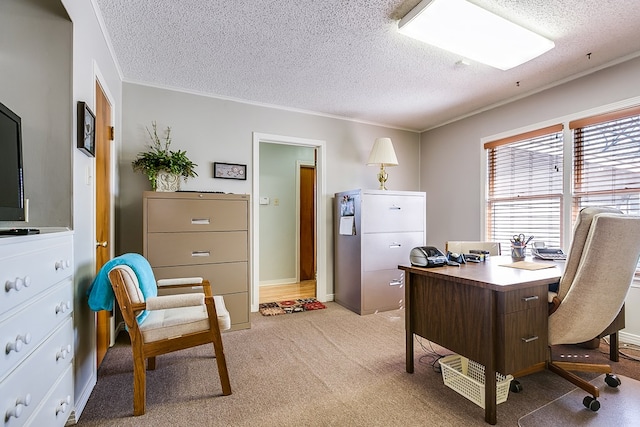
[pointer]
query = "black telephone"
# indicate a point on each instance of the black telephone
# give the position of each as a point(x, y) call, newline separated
point(427, 256)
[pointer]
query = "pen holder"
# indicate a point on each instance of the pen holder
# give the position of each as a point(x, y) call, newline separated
point(517, 251)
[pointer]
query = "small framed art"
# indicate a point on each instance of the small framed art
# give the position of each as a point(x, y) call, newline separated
point(229, 171)
point(86, 129)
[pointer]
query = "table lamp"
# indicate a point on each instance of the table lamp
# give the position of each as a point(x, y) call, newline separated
point(382, 154)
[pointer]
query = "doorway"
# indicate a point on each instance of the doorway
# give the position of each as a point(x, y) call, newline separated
point(319, 227)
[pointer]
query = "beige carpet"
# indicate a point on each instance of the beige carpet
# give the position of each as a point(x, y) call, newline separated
point(327, 367)
point(619, 407)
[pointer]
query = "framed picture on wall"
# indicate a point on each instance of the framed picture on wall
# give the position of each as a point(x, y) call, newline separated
point(86, 129)
point(229, 171)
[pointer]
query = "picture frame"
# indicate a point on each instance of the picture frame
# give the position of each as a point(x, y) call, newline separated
point(229, 171)
point(86, 139)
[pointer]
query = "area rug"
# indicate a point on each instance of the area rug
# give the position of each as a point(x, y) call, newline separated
point(619, 407)
point(290, 306)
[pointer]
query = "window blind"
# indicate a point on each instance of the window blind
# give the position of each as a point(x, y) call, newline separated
point(525, 189)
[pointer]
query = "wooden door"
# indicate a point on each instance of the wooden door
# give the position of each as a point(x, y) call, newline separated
point(307, 222)
point(103, 210)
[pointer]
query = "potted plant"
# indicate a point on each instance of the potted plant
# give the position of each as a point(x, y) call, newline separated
point(162, 166)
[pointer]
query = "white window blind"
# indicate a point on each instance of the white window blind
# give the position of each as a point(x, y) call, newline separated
point(607, 163)
point(525, 187)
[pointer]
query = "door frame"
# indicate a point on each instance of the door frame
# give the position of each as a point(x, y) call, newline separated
point(321, 214)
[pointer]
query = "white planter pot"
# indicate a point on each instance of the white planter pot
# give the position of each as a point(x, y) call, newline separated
point(166, 181)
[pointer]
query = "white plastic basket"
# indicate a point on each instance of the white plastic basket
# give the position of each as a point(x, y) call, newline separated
point(467, 378)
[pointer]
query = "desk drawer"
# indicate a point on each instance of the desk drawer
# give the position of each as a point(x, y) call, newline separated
point(522, 299)
point(196, 215)
point(525, 337)
point(167, 249)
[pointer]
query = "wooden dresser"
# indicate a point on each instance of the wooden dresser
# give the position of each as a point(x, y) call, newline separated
point(374, 232)
point(191, 234)
point(36, 329)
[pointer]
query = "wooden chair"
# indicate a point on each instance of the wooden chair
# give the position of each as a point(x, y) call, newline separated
point(600, 268)
point(462, 247)
point(172, 322)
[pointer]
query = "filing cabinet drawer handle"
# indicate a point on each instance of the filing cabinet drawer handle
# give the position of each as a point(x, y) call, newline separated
point(395, 282)
point(200, 253)
point(395, 245)
point(531, 298)
point(395, 208)
point(530, 339)
point(200, 221)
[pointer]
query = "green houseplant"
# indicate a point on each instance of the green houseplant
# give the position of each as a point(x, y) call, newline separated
point(159, 158)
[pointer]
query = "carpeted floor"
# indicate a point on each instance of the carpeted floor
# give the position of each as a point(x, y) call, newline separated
point(327, 367)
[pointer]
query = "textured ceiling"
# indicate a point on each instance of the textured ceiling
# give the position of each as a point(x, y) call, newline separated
point(345, 57)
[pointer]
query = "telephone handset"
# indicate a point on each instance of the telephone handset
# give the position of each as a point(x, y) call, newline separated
point(427, 256)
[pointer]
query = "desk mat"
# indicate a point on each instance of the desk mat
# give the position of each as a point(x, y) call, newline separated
point(526, 265)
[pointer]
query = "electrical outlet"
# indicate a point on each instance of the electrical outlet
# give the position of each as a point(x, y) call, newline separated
point(276, 202)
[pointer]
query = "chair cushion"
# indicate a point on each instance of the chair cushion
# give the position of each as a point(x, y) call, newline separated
point(172, 322)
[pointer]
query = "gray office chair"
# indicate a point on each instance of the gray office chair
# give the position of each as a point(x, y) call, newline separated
point(600, 267)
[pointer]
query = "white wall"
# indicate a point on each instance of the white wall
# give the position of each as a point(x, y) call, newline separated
point(452, 165)
point(211, 129)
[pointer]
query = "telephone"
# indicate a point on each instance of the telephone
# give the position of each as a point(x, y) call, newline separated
point(427, 256)
point(541, 251)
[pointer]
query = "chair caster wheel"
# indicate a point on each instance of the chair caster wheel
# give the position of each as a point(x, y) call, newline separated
point(612, 380)
point(591, 403)
point(515, 386)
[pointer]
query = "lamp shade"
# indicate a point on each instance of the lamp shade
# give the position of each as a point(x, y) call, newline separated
point(382, 153)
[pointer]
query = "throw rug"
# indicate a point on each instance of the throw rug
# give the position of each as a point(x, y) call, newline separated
point(290, 306)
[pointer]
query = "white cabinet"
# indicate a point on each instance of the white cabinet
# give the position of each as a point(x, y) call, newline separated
point(36, 329)
point(374, 232)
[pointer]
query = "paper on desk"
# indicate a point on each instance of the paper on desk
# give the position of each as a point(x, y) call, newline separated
point(526, 265)
point(346, 226)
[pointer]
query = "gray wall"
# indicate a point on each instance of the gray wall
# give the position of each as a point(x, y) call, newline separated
point(35, 83)
point(211, 129)
point(453, 154)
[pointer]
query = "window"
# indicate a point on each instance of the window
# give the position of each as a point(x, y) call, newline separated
point(525, 192)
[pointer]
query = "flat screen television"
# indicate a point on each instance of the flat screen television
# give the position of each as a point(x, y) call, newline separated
point(11, 174)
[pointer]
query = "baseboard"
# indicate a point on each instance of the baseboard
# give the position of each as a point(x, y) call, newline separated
point(289, 281)
point(81, 401)
point(627, 338)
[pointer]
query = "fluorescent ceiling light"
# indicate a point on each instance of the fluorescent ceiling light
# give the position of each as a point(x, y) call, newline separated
point(468, 30)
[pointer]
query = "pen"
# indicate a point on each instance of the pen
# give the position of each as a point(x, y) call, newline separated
point(528, 240)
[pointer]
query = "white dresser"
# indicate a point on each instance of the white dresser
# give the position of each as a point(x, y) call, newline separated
point(36, 329)
point(374, 232)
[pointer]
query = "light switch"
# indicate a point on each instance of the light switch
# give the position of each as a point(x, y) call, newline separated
point(264, 200)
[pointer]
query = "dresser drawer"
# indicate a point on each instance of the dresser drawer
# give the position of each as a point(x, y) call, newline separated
point(32, 268)
point(384, 251)
point(37, 374)
point(33, 324)
point(382, 290)
point(57, 406)
point(382, 213)
point(196, 215)
point(167, 249)
point(224, 278)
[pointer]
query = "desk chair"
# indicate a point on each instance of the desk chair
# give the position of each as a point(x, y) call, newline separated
point(600, 268)
point(462, 247)
point(172, 322)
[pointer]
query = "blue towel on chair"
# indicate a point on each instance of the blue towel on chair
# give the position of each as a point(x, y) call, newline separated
point(100, 292)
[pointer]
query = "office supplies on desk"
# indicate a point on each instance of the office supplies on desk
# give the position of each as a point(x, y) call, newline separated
point(541, 251)
point(427, 256)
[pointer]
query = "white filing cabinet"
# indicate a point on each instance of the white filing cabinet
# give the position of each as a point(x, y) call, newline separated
point(374, 232)
point(36, 329)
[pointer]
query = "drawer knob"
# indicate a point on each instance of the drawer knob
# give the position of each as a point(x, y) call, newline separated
point(63, 307)
point(64, 264)
point(63, 405)
point(16, 411)
point(17, 344)
point(17, 284)
point(63, 352)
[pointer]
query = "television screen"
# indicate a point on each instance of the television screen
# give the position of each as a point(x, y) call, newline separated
point(11, 178)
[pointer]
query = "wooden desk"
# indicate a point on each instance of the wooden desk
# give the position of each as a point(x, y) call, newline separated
point(487, 312)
